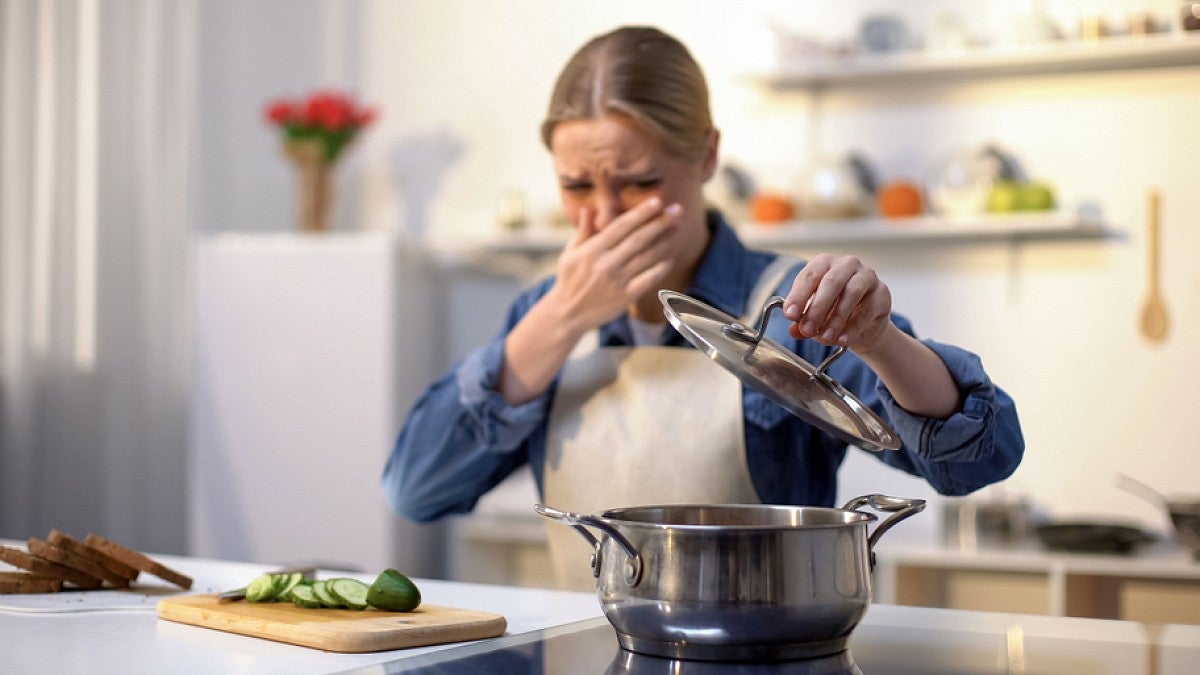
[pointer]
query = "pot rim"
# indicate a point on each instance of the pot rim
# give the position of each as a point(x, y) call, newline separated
point(610, 516)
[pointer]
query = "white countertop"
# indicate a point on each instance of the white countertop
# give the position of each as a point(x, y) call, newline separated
point(136, 641)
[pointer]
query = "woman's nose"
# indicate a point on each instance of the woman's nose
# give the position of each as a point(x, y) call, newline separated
point(608, 207)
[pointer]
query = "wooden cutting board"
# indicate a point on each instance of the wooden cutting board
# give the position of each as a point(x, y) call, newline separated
point(335, 630)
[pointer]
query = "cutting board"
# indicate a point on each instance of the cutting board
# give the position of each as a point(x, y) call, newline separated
point(335, 630)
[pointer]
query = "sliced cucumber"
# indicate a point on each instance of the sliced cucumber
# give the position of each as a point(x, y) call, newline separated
point(351, 592)
point(278, 583)
point(291, 581)
point(261, 588)
point(303, 596)
point(321, 591)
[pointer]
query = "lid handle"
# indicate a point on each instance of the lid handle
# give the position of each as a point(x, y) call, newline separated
point(740, 332)
point(737, 330)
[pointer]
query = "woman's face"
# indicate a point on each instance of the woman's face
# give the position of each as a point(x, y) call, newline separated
point(608, 165)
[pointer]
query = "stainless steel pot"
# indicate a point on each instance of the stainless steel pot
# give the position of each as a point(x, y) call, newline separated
point(735, 582)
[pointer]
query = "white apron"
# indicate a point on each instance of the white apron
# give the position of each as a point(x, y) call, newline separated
point(633, 426)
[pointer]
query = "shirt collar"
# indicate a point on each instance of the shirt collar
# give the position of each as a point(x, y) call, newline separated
point(721, 279)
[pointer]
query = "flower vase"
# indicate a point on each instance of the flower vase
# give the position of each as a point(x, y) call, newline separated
point(316, 183)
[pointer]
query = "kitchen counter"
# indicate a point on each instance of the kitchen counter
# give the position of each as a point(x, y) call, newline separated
point(136, 641)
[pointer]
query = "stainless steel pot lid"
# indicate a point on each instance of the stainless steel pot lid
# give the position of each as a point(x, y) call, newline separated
point(781, 375)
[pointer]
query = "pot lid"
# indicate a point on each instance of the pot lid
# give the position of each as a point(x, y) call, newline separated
point(767, 366)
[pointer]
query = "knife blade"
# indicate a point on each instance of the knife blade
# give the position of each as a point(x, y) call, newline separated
point(236, 594)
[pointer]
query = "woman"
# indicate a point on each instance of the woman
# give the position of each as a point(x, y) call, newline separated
point(609, 406)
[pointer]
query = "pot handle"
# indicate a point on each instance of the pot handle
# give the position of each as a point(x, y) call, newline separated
point(633, 566)
point(903, 508)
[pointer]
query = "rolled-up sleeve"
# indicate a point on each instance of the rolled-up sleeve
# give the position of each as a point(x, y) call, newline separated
point(460, 440)
point(977, 446)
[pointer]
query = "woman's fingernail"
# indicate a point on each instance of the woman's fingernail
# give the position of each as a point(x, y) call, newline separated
point(810, 327)
point(673, 209)
point(792, 311)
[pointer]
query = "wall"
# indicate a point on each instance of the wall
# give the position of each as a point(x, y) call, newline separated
point(1055, 323)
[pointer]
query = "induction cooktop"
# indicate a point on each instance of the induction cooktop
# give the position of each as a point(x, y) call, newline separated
point(587, 647)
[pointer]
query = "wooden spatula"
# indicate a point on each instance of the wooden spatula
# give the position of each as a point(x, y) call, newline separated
point(1154, 309)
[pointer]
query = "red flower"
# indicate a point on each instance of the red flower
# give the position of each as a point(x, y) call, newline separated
point(279, 112)
point(366, 116)
point(329, 116)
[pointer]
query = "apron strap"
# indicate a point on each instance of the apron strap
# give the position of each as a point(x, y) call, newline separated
point(768, 283)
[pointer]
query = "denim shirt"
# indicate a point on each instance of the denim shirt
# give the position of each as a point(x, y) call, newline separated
point(462, 438)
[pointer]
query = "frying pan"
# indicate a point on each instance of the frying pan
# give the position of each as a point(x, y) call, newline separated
point(1092, 537)
point(1184, 512)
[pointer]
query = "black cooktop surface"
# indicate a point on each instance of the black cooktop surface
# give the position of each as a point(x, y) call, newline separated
point(587, 647)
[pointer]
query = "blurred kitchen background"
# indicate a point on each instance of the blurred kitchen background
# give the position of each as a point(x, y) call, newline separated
point(181, 368)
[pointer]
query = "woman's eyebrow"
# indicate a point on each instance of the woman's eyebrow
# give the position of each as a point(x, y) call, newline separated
point(644, 174)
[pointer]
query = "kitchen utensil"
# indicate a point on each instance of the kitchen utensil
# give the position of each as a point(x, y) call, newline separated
point(969, 522)
point(785, 378)
point(240, 593)
point(1154, 319)
point(1189, 16)
point(884, 33)
point(1183, 512)
point(839, 188)
point(962, 182)
point(735, 582)
point(1092, 537)
point(335, 630)
point(1139, 489)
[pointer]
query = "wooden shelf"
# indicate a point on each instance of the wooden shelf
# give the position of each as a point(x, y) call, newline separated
point(1114, 53)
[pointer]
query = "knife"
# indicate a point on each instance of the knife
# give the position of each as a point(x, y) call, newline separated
point(236, 594)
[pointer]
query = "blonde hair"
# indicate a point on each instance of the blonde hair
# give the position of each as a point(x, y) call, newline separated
point(642, 73)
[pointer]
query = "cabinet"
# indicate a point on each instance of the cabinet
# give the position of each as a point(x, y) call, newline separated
point(303, 364)
point(1158, 585)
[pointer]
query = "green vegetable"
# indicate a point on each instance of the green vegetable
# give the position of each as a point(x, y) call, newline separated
point(321, 590)
point(350, 592)
point(303, 596)
point(394, 592)
point(288, 583)
point(261, 588)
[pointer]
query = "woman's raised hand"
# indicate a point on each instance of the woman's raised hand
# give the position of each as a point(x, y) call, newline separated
point(839, 301)
point(607, 266)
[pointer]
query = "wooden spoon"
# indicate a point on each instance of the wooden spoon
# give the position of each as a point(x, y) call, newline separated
point(1154, 309)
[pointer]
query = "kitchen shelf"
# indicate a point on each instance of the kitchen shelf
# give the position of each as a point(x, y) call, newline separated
point(924, 229)
point(1107, 54)
point(540, 243)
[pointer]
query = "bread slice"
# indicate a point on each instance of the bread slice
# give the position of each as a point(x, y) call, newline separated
point(138, 560)
point(22, 559)
point(124, 573)
point(54, 553)
point(25, 582)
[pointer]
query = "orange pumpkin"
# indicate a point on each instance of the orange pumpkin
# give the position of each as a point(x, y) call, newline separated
point(771, 208)
point(899, 199)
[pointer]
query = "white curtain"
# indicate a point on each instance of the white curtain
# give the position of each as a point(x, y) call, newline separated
point(96, 99)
